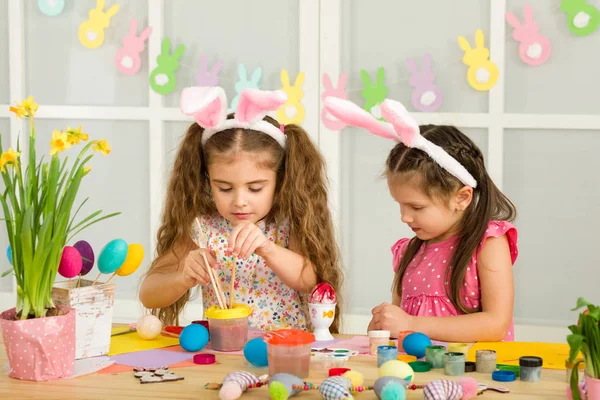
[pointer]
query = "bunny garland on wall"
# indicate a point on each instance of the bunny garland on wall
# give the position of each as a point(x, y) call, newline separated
point(244, 83)
point(373, 92)
point(204, 77)
point(535, 48)
point(482, 74)
point(292, 112)
point(51, 8)
point(91, 31)
point(162, 78)
point(127, 59)
point(584, 18)
point(330, 121)
point(426, 96)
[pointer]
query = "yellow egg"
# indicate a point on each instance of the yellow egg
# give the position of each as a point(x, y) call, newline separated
point(398, 369)
point(135, 255)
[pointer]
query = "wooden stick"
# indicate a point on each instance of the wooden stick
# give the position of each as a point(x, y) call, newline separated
point(214, 283)
point(78, 280)
point(112, 276)
point(93, 283)
point(231, 290)
point(69, 283)
point(221, 292)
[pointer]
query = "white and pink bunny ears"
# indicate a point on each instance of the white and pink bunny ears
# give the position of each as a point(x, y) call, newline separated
point(208, 107)
point(401, 128)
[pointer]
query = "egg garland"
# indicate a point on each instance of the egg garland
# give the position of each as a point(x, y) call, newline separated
point(70, 263)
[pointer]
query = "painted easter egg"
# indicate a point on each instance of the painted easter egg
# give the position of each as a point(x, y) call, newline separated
point(193, 337)
point(70, 262)
point(9, 254)
point(135, 256)
point(389, 383)
point(399, 369)
point(87, 256)
point(112, 256)
point(415, 344)
point(255, 352)
point(148, 327)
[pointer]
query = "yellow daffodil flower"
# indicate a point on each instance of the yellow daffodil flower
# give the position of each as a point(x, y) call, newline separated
point(9, 157)
point(27, 108)
point(59, 142)
point(74, 136)
point(103, 147)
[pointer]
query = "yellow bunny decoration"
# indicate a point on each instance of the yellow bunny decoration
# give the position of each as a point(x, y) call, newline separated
point(482, 74)
point(295, 94)
point(91, 32)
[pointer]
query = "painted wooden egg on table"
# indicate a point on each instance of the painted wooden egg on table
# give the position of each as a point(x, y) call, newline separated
point(148, 327)
point(135, 256)
point(415, 344)
point(87, 256)
point(70, 262)
point(397, 368)
point(112, 256)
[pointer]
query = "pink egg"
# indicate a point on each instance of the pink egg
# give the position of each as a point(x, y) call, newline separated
point(70, 262)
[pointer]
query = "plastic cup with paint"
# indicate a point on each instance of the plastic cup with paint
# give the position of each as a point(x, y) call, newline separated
point(228, 327)
point(531, 368)
point(376, 339)
point(288, 351)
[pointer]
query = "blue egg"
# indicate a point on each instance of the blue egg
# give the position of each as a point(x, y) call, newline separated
point(112, 256)
point(255, 352)
point(193, 337)
point(415, 344)
point(9, 254)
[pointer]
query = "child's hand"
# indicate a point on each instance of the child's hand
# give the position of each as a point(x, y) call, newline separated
point(389, 317)
point(247, 238)
point(195, 270)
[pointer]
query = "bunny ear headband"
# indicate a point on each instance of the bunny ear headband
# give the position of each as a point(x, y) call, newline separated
point(401, 128)
point(208, 107)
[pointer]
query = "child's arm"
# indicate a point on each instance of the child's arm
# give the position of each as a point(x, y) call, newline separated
point(173, 274)
point(497, 301)
point(294, 270)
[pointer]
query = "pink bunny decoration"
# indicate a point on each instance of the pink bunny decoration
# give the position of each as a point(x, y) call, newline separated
point(328, 120)
point(426, 97)
point(208, 78)
point(534, 48)
point(127, 59)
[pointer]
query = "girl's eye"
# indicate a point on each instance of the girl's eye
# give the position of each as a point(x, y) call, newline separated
point(225, 190)
point(255, 190)
point(417, 208)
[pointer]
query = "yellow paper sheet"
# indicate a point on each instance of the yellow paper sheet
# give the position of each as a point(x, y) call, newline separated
point(131, 342)
point(553, 354)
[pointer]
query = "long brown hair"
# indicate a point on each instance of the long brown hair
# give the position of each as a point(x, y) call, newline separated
point(300, 197)
point(488, 203)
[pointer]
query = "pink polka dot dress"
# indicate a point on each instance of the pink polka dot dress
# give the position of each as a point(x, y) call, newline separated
point(424, 286)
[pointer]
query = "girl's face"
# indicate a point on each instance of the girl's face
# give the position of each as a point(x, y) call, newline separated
point(432, 220)
point(242, 189)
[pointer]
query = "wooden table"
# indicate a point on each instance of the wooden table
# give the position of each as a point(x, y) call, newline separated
point(125, 386)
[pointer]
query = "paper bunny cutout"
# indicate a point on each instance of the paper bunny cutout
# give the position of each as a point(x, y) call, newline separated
point(373, 92)
point(204, 77)
point(244, 83)
point(162, 78)
point(398, 125)
point(584, 18)
point(208, 107)
point(482, 74)
point(426, 96)
point(330, 91)
point(127, 59)
point(91, 31)
point(534, 49)
point(294, 104)
point(51, 8)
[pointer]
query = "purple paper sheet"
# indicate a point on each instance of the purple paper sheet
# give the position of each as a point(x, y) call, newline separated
point(155, 358)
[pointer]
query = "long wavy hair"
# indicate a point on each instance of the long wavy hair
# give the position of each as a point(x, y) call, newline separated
point(488, 203)
point(300, 197)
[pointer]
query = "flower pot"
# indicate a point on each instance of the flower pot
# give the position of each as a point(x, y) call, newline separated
point(592, 386)
point(39, 349)
point(94, 312)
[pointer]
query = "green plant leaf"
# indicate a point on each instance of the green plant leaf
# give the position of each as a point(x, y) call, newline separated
point(581, 302)
point(574, 382)
point(575, 343)
point(6, 273)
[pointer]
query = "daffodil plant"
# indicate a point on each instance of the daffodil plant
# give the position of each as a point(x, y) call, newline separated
point(37, 203)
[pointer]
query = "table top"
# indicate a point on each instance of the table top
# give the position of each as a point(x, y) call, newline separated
point(125, 386)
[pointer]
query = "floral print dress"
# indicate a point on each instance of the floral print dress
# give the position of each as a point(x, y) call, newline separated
point(273, 304)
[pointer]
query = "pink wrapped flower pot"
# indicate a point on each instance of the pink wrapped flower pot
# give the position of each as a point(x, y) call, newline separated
point(39, 349)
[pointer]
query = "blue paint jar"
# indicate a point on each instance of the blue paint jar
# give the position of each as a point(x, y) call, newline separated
point(386, 353)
